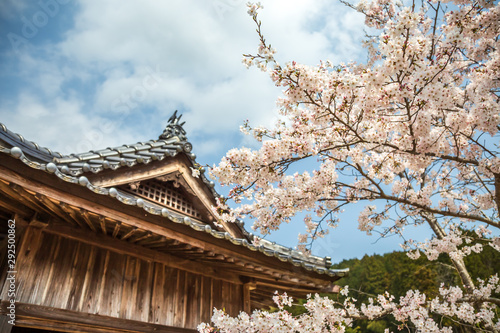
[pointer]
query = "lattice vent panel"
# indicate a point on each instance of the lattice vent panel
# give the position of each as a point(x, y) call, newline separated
point(167, 195)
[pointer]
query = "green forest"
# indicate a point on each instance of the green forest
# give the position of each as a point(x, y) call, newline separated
point(396, 273)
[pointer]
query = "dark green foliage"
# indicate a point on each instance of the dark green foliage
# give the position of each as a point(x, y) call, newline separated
point(396, 273)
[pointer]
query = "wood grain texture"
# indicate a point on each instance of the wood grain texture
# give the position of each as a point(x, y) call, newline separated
point(5, 327)
point(62, 273)
point(43, 317)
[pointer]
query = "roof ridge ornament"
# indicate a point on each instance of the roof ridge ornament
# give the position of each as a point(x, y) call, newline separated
point(174, 128)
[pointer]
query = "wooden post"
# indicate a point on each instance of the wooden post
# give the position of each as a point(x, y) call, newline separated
point(247, 288)
point(5, 327)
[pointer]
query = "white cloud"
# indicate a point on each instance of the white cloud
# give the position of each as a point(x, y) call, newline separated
point(121, 59)
point(61, 125)
point(11, 8)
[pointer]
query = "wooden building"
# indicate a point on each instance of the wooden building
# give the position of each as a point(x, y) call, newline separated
point(123, 240)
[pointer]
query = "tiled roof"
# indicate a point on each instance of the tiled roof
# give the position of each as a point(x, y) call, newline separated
point(36, 152)
point(127, 155)
point(172, 142)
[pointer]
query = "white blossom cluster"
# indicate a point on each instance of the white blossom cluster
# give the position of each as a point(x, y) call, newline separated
point(326, 315)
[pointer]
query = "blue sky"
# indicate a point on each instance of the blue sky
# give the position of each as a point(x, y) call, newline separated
point(82, 75)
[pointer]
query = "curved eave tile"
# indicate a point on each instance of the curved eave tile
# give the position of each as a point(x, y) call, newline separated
point(114, 158)
point(46, 151)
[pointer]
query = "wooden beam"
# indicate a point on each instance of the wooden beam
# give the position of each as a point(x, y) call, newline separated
point(71, 215)
point(30, 199)
point(161, 241)
point(130, 233)
point(111, 244)
point(146, 235)
point(15, 207)
point(290, 288)
point(116, 229)
point(247, 301)
point(269, 277)
point(48, 318)
point(261, 304)
point(8, 190)
point(87, 219)
point(37, 222)
point(102, 222)
point(21, 222)
point(54, 208)
point(152, 240)
point(127, 175)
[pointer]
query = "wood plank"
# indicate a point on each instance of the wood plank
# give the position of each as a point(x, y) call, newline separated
point(101, 307)
point(226, 296)
point(38, 267)
point(144, 286)
point(15, 207)
point(144, 236)
point(112, 244)
point(170, 286)
point(87, 278)
point(205, 299)
point(290, 288)
point(26, 198)
point(71, 215)
point(71, 276)
point(130, 233)
point(90, 304)
point(44, 317)
point(180, 308)
point(193, 300)
point(34, 257)
point(5, 327)
point(129, 288)
point(54, 208)
point(153, 241)
point(116, 229)
point(110, 299)
point(217, 294)
point(246, 297)
point(126, 176)
point(236, 299)
point(87, 220)
point(102, 223)
point(78, 277)
point(56, 289)
point(260, 305)
point(158, 312)
point(272, 276)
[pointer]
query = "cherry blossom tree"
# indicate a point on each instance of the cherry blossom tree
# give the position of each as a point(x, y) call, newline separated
point(412, 133)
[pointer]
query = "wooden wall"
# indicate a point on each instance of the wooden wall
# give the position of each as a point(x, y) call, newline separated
point(57, 272)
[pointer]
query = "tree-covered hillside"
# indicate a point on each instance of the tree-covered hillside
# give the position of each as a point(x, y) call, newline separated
point(396, 273)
